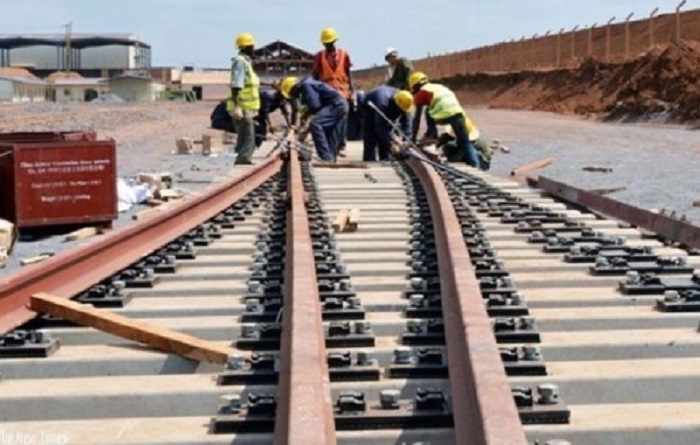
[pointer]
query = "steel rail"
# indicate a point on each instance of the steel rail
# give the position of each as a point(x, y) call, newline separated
point(304, 413)
point(482, 403)
point(665, 226)
point(77, 269)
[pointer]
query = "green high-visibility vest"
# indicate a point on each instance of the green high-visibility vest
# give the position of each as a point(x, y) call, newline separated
point(444, 103)
point(249, 96)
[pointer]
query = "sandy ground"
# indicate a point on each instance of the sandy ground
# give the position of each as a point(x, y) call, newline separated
point(658, 164)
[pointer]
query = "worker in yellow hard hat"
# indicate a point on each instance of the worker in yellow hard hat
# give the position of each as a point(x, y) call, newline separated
point(443, 107)
point(322, 107)
point(332, 66)
point(245, 98)
point(382, 103)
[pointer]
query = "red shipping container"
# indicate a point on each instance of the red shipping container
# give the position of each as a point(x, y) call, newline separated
point(58, 183)
point(48, 136)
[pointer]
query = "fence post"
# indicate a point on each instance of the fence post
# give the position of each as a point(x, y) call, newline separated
point(590, 39)
point(627, 35)
point(573, 44)
point(651, 27)
point(678, 20)
point(607, 39)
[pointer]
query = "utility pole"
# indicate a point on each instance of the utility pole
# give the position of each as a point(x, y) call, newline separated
point(573, 43)
point(678, 21)
point(67, 60)
point(627, 35)
point(590, 39)
point(607, 39)
point(651, 27)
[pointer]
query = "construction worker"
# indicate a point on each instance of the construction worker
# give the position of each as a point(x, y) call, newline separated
point(332, 66)
point(448, 143)
point(393, 104)
point(444, 107)
point(399, 69)
point(323, 108)
point(271, 101)
point(245, 98)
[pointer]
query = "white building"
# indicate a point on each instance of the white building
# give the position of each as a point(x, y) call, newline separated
point(92, 55)
point(136, 88)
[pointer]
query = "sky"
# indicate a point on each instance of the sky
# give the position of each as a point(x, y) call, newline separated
point(202, 32)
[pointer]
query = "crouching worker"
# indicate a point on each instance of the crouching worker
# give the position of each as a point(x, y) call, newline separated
point(453, 153)
point(388, 103)
point(444, 107)
point(323, 108)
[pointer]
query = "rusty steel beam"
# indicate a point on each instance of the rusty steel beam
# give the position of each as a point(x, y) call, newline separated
point(483, 406)
point(304, 411)
point(75, 270)
point(669, 228)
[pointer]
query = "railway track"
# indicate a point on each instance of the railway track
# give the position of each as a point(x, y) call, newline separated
point(464, 309)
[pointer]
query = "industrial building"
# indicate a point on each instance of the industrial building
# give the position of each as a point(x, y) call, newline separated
point(134, 88)
point(19, 85)
point(72, 87)
point(90, 55)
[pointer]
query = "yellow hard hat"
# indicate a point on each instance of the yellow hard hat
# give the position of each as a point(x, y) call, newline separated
point(286, 86)
point(245, 39)
point(404, 100)
point(416, 78)
point(328, 35)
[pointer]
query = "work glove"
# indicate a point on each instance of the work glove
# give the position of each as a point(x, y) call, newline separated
point(237, 114)
point(272, 129)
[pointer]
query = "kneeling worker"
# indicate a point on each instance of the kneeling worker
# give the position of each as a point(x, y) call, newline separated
point(448, 143)
point(444, 107)
point(396, 105)
point(325, 110)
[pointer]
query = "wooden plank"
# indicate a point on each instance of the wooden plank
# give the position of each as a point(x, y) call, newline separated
point(540, 163)
point(353, 220)
point(139, 331)
point(36, 259)
point(85, 232)
point(341, 164)
point(607, 191)
point(341, 220)
point(146, 214)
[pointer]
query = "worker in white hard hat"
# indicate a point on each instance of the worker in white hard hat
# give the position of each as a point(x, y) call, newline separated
point(245, 98)
point(332, 66)
point(399, 69)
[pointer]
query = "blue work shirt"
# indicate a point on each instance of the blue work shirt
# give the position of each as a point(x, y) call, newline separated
point(315, 95)
point(383, 98)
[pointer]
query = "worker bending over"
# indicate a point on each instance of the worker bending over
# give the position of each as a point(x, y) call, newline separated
point(270, 101)
point(444, 107)
point(395, 105)
point(323, 108)
point(332, 66)
point(245, 98)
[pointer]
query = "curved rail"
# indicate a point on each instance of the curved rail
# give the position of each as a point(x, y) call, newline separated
point(68, 274)
point(482, 403)
point(304, 413)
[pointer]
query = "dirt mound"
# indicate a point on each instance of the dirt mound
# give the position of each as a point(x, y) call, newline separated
point(662, 84)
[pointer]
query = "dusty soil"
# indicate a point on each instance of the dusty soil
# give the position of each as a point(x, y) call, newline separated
point(662, 85)
point(145, 135)
point(658, 164)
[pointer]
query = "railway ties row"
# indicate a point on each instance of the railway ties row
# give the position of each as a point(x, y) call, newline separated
point(616, 353)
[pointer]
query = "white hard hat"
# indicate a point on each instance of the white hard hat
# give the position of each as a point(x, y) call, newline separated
point(389, 51)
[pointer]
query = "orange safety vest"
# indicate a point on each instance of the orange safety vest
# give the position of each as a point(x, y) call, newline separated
point(338, 77)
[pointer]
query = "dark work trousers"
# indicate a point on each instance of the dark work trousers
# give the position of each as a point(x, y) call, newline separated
point(344, 130)
point(245, 141)
point(260, 129)
point(459, 127)
point(224, 124)
point(326, 127)
point(374, 133)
